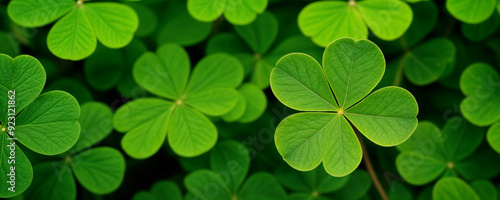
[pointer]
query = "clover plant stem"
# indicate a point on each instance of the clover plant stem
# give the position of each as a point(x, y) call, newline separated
point(371, 171)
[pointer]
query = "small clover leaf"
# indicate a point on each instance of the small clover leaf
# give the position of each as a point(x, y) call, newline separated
point(46, 124)
point(224, 159)
point(480, 83)
point(210, 90)
point(493, 137)
point(160, 190)
point(99, 170)
point(326, 21)
point(237, 12)
point(429, 152)
point(351, 69)
point(75, 35)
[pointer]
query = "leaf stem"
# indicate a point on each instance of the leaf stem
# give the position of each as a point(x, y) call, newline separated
point(371, 171)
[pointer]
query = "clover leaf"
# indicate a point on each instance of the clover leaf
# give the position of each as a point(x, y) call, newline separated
point(160, 190)
point(471, 11)
point(313, 184)
point(100, 170)
point(430, 153)
point(478, 32)
point(46, 124)
point(210, 90)
point(75, 35)
point(229, 163)
point(325, 21)
point(235, 11)
point(453, 188)
point(480, 83)
point(351, 69)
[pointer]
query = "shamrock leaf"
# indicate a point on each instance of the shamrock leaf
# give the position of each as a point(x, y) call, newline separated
point(229, 163)
point(75, 35)
point(104, 69)
point(478, 32)
point(471, 11)
point(160, 190)
point(484, 189)
point(326, 21)
point(72, 86)
point(453, 188)
point(313, 184)
point(480, 83)
point(46, 124)
point(235, 11)
point(351, 69)
point(210, 90)
point(99, 170)
point(429, 152)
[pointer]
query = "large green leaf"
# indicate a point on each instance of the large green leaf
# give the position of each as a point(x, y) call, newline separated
point(471, 11)
point(114, 24)
point(478, 32)
point(147, 115)
point(165, 73)
point(261, 33)
point(215, 71)
point(426, 140)
point(426, 62)
point(99, 170)
point(232, 161)
point(461, 138)
point(479, 82)
point(72, 37)
point(262, 186)
point(387, 116)
point(23, 173)
point(353, 69)
point(484, 189)
point(482, 164)
point(299, 83)
point(49, 125)
point(451, 188)
point(190, 132)
point(213, 102)
point(306, 139)
point(35, 13)
point(14, 74)
point(493, 137)
point(54, 181)
point(96, 120)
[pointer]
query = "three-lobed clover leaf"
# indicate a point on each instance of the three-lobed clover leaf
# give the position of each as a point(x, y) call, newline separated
point(74, 36)
point(471, 11)
point(237, 12)
point(229, 164)
point(46, 124)
point(209, 90)
point(351, 69)
point(481, 85)
point(431, 153)
point(326, 21)
point(100, 170)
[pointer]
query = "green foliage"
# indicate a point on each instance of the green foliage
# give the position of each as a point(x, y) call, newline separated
point(470, 11)
point(387, 19)
point(229, 163)
point(50, 118)
point(160, 190)
point(453, 188)
point(387, 117)
point(493, 137)
point(210, 91)
point(235, 11)
point(75, 35)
